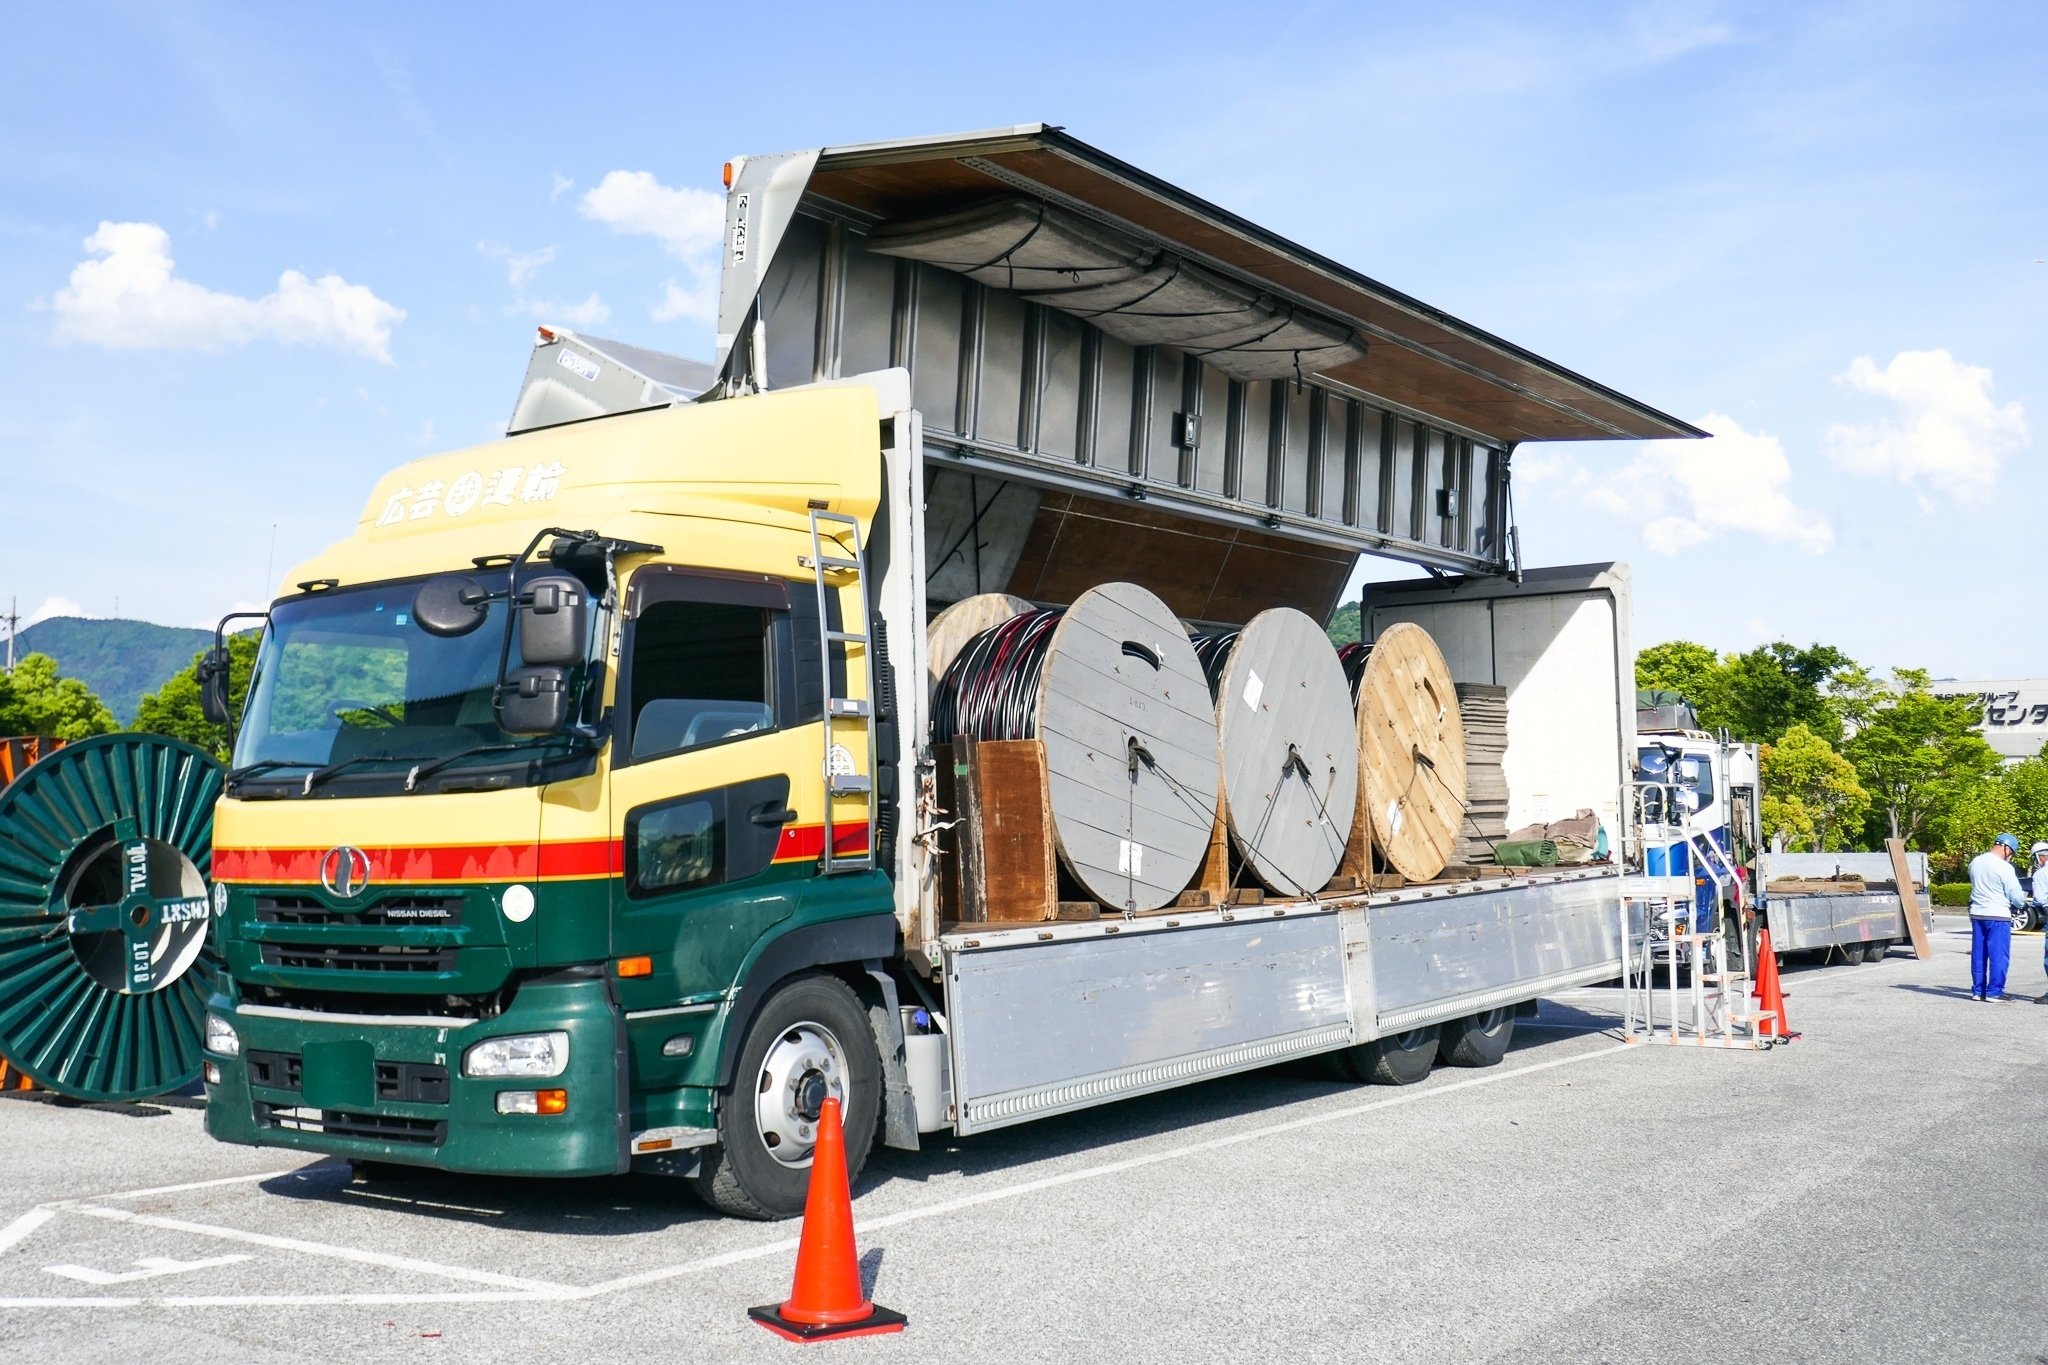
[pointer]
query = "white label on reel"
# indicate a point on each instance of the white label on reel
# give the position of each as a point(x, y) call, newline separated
point(1254, 688)
point(1396, 817)
point(1130, 857)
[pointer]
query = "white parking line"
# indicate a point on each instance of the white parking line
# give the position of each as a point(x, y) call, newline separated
point(1049, 1182)
point(512, 1289)
point(376, 1258)
point(24, 1225)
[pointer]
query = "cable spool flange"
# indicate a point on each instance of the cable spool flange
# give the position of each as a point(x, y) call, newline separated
point(1411, 751)
point(1113, 690)
point(1289, 748)
point(105, 907)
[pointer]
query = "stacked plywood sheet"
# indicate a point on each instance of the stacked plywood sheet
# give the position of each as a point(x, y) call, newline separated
point(1485, 708)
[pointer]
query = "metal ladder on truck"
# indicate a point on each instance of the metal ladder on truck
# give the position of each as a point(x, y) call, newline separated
point(1712, 1007)
point(842, 778)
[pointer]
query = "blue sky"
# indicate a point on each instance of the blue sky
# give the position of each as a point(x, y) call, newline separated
point(1818, 229)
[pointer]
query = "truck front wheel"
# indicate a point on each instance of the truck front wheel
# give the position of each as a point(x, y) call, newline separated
point(809, 1041)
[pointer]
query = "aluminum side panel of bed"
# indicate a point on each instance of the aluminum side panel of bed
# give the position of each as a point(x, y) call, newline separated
point(1045, 1019)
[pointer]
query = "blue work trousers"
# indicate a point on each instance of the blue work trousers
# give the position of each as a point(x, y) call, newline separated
point(1990, 954)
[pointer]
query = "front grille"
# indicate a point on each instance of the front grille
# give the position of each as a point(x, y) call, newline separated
point(412, 1082)
point(273, 1070)
point(366, 957)
point(407, 1082)
point(391, 911)
point(457, 1009)
point(344, 1123)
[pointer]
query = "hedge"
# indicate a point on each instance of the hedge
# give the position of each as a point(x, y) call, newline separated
point(1950, 893)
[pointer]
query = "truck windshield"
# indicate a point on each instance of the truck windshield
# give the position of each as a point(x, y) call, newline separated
point(347, 680)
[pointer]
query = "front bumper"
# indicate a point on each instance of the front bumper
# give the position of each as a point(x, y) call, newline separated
point(391, 1088)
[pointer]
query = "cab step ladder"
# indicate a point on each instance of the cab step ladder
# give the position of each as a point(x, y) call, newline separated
point(832, 569)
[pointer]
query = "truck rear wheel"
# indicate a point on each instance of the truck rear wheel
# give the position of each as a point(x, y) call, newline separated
point(810, 1040)
point(1478, 1039)
point(1402, 1059)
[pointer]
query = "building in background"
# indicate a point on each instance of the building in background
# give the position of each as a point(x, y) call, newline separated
point(2011, 713)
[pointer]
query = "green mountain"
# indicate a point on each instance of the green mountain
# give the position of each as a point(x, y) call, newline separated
point(119, 660)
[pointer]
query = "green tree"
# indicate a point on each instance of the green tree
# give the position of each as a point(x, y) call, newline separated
point(1811, 795)
point(36, 700)
point(1765, 692)
point(174, 708)
point(1345, 627)
point(1678, 666)
point(1921, 759)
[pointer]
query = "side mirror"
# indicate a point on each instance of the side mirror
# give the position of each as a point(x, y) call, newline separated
point(554, 621)
point(451, 605)
point(213, 685)
point(534, 701)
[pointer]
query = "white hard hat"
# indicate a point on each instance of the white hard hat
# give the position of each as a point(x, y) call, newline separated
point(2040, 846)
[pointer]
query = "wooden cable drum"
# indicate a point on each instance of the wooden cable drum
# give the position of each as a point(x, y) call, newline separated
point(948, 632)
point(1289, 748)
point(1411, 750)
point(1112, 688)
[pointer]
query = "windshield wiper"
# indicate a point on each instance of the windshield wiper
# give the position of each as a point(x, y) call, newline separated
point(319, 775)
point(432, 766)
point(267, 765)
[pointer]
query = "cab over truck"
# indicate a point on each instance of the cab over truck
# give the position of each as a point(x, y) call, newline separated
point(584, 813)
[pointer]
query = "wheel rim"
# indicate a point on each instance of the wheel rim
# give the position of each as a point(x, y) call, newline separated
point(105, 964)
point(804, 1066)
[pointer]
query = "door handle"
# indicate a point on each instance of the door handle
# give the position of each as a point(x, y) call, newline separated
point(766, 814)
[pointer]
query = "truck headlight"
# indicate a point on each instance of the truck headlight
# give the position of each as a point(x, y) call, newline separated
point(520, 1054)
point(221, 1037)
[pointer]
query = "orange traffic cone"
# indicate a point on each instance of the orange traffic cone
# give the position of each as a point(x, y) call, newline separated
point(1768, 996)
point(825, 1302)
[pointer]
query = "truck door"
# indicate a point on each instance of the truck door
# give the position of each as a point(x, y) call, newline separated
point(706, 742)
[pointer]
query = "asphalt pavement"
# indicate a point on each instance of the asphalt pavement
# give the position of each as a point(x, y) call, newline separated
point(1872, 1191)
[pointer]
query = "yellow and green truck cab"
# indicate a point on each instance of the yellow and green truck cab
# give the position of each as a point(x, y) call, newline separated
point(459, 937)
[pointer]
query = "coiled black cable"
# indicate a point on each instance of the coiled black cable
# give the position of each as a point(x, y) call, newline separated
point(990, 690)
point(1214, 653)
point(1353, 657)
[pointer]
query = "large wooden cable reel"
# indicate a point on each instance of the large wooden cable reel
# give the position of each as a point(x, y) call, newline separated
point(1289, 748)
point(1411, 752)
point(1112, 689)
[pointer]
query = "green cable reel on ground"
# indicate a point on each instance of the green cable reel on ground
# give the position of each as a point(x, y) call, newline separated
point(106, 960)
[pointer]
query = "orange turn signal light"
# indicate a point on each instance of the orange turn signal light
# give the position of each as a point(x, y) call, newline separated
point(551, 1101)
point(636, 966)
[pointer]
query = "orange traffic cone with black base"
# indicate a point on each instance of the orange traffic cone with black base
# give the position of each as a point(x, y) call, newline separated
point(826, 1303)
point(1768, 995)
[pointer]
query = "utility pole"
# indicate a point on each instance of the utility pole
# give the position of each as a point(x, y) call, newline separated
point(13, 623)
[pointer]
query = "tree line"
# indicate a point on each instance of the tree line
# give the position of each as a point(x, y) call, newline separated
point(1850, 758)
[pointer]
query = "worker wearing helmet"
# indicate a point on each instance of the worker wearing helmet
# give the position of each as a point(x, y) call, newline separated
point(1994, 894)
point(2039, 889)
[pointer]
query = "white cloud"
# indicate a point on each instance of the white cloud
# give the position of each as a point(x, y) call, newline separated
point(126, 297)
point(687, 221)
point(1944, 429)
point(698, 302)
point(588, 313)
point(563, 184)
point(55, 606)
point(519, 265)
point(1685, 493)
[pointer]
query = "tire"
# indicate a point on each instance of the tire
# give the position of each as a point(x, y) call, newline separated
point(1478, 1039)
point(1402, 1059)
point(2022, 919)
point(811, 1038)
